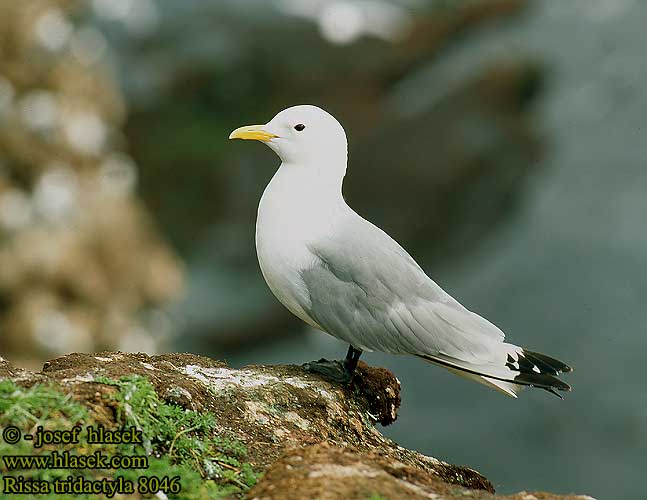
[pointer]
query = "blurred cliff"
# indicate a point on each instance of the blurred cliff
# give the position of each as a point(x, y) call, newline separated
point(82, 266)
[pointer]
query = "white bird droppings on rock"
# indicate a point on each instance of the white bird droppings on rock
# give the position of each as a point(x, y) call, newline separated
point(297, 420)
point(102, 359)
point(339, 471)
point(257, 412)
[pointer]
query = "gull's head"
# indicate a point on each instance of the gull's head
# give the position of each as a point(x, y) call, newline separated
point(302, 135)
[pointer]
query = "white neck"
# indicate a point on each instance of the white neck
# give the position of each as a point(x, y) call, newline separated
point(302, 203)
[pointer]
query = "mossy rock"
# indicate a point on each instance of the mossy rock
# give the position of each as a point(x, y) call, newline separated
point(259, 432)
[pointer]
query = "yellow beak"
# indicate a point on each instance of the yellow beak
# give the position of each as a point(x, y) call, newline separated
point(252, 132)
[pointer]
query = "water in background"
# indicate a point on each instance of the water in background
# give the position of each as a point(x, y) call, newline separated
point(566, 276)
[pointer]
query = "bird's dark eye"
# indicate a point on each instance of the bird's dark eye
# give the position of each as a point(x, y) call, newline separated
point(299, 127)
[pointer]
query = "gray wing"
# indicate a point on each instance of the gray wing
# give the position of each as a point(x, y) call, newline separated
point(364, 288)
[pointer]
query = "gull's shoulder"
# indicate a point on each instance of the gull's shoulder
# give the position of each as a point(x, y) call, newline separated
point(368, 240)
point(361, 252)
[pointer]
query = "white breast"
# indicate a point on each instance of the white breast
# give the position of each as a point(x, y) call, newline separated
point(291, 215)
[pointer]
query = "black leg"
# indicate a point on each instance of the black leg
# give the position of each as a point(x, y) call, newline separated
point(337, 371)
point(352, 358)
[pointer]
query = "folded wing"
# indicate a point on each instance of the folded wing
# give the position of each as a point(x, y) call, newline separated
point(364, 288)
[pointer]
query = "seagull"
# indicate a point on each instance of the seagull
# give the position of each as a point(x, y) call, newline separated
point(343, 275)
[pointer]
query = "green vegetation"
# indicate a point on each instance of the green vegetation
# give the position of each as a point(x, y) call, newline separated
point(376, 496)
point(177, 442)
point(29, 408)
point(38, 405)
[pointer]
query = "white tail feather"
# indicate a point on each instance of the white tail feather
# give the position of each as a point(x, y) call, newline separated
point(507, 388)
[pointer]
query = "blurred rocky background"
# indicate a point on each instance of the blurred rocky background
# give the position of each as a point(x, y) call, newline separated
point(500, 141)
point(82, 266)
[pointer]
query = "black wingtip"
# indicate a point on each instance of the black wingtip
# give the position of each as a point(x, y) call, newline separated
point(543, 381)
point(546, 363)
point(529, 369)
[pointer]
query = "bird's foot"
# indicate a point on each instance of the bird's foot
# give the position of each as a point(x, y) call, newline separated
point(335, 371)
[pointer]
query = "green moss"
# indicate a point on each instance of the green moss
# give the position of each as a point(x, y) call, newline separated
point(38, 405)
point(376, 496)
point(29, 408)
point(187, 438)
point(177, 442)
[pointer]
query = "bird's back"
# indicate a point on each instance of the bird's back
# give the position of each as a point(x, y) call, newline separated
point(363, 285)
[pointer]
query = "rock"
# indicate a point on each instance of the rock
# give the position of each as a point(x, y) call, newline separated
point(327, 472)
point(313, 439)
point(10, 372)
